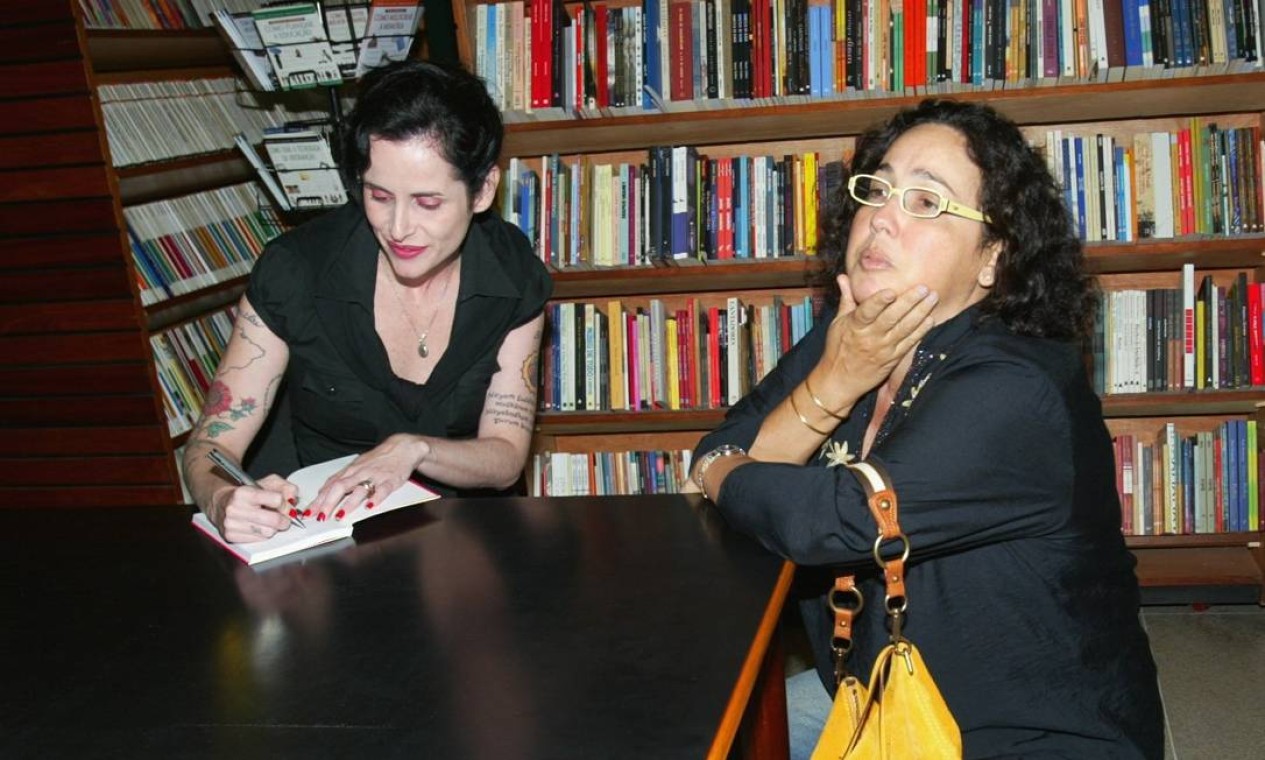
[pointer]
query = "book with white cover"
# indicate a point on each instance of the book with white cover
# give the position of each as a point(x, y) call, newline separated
point(309, 481)
point(298, 47)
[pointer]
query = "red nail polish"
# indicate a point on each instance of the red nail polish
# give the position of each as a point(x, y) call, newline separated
point(293, 501)
point(307, 512)
point(320, 517)
point(368, 505)
point(294, 513)
point(340, 514)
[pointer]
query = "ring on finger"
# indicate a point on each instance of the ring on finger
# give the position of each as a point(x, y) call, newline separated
point(369, 487)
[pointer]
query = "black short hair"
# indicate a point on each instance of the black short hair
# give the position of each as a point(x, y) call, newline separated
point(409, 99)
point(1041, 287)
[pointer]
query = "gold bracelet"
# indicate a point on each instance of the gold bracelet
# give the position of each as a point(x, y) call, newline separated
point(803, 419)
point(817, 401)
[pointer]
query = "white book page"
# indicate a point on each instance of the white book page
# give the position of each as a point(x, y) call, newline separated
point(309, 481)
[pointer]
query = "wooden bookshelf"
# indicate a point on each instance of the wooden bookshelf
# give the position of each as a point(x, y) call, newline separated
point(172, 311)
point(742, 122)
point(77, 387)
point(686, 276)
point(689, 276)
point(127, 51)
point(166, 179)
point(721, 128)
point(1207, 252)
point(1207, 574)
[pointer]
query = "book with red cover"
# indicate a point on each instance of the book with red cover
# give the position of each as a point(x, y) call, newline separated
point(1256, 341)
point(761, 79)
point(603, 65)
point(633, 346)
point(541, 52)
point(681, 49)
point(1113, 23)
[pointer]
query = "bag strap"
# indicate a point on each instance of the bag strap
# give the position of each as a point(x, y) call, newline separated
point(845, 599)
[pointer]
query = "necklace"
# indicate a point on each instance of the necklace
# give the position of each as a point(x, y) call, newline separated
point(422, 349)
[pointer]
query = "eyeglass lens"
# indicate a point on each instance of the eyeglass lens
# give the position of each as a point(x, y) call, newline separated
point(915, 201)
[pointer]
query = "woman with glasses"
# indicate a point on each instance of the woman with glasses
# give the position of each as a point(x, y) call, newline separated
point(950, 353)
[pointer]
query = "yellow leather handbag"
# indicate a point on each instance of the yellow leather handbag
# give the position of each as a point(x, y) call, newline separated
point(900, 714)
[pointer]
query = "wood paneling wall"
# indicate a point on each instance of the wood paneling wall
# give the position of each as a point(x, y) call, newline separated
point(80, 421)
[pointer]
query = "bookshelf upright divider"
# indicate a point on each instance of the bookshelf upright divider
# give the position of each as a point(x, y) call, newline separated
point(173, 210)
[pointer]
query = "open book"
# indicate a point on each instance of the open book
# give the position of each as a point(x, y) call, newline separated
point(309, 481)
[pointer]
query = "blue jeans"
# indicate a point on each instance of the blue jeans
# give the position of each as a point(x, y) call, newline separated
point(807, 707)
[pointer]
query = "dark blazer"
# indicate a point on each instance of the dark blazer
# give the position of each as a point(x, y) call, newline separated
point(1022, 595)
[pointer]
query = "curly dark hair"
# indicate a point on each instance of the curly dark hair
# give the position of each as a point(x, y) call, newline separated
point(408, 99)
point(1041, 287)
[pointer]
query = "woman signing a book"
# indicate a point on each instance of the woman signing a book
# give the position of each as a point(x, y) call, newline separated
point(404, 326)
point(951, 356)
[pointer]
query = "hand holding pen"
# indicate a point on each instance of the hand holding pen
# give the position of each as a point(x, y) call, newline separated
point(239, 476)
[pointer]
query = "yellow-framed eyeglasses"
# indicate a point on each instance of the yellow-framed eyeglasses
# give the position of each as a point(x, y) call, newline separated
point(919, 202)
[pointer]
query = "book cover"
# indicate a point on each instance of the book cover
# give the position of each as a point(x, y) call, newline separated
point(1114, 38)
point(681, 49)
point(309, 481)
point(1253, 476)
point(1143, 186)
point(1162, 182)
point(298, 47)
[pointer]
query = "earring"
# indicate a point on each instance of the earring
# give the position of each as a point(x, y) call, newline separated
point(986, 276)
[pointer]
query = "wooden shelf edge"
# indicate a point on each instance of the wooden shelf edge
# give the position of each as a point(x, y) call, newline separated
point(155, 50)
point(1182, 403)
point(1193, 403)
point(167, 179)
point(590, 423)
point(1230, 540)
point(1128, 100)
point(164, 314)
point(685, 277)
point(1197, 566)
point(1206, 252)
point(712, 275)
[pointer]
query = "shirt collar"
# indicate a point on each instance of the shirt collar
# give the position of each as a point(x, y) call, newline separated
point(350, 274)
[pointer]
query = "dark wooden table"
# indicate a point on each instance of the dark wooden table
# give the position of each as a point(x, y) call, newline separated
point(636, 627)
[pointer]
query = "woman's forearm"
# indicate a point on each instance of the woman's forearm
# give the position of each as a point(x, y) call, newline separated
point(486, 462)
point(199, 473)
point(796, 428)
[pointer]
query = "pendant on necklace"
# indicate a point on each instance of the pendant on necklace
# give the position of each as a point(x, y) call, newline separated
point(422, 350)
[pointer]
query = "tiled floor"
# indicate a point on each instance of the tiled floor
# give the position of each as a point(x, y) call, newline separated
point(1212, 677)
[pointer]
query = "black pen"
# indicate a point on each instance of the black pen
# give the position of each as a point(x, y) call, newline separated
point(241, 477)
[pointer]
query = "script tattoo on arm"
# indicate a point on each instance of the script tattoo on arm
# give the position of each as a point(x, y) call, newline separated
point(510, 409)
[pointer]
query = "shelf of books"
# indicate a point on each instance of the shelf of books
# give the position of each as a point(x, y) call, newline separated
point(195, 216)
point(595, 76)
point(185, 357)
point(150, 182)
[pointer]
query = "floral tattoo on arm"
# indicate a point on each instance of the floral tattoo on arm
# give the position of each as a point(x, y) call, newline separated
point(220, 403)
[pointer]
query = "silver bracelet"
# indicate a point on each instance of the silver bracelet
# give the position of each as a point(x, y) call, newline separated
point(723, 450)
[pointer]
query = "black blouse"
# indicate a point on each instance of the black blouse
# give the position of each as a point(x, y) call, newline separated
point(1022, 594)
point(314, 288)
